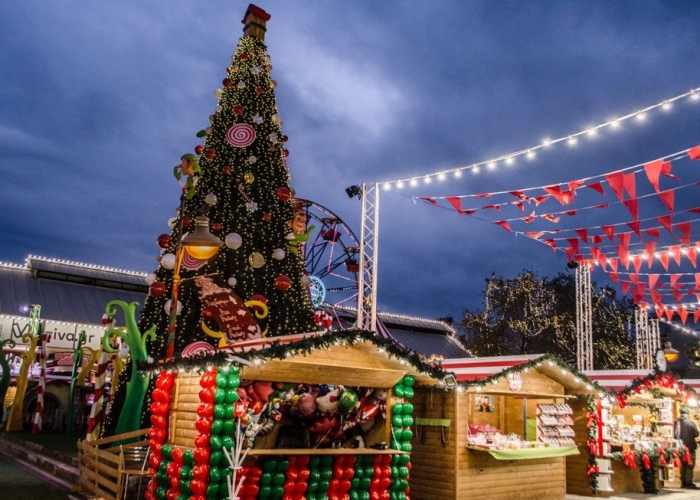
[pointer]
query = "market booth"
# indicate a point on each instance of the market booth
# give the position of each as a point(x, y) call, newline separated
point(302, 416)
point(630, 446)
point(504, 430)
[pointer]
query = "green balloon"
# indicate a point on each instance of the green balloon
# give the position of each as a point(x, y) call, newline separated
point(188, 457)
point(266, 479)
point(408, 392)
point(397, 409)
point(347, 401)
point(407, 408)
point(398, 390)
point(213, 490)
point(278, 478)
point(216, 458)
point(354, 495)
point(407, 447)
point(326, 474)
point(282, 465)
point(409, 380)
point(270, 465)
point(231, 396)
point(215, 474)
point(215, 442)
point(359, 471)
point(221, 380)
point(365, 482)
point(183, 496)
point(364, 495)
point(233, 380)
point(277, 491)
point(407, 420)
point(355, 483)
point(184, 486)
point(404, 459)
point(407, 434)
point(326, 460)
point(167, 451)
point(264, 492)
point(219, 411)
point(228, 442)
point(311, 495)
point(217, 426)
point(397, 420)
point(314, 462)
point(312, 487)
point(186, 472)
point(404, 472)
point(220, 395)
point(164, 466)
point(228, 411)
point(229, 427)
point(161, 492)
point(323, 486)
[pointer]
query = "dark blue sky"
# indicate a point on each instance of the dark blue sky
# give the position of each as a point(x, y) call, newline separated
point(98, 101)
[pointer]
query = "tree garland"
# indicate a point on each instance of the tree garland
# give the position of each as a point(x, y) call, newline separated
point(665, 380)
point(644, 460)
point(279, 349)
point(592, 425)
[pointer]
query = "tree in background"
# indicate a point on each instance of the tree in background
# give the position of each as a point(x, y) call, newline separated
point(255, 284)
point(532, 315)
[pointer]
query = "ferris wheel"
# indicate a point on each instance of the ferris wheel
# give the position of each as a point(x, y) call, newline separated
point(332, 257)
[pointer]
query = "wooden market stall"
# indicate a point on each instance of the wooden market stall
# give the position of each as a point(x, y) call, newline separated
point(630, 446)
point(312, 414)
point(502, 432)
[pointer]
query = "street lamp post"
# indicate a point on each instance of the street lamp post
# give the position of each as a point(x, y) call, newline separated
point(200, 244)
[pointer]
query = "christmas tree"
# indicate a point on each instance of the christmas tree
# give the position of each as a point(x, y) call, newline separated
point(236, 191)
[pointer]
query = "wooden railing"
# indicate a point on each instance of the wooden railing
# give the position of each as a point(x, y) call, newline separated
point(101, 463)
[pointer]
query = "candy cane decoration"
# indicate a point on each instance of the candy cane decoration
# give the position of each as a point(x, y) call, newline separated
point(97, 410)
point(39, 408)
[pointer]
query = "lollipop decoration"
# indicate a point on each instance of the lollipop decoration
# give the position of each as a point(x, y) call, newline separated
point(240, 135)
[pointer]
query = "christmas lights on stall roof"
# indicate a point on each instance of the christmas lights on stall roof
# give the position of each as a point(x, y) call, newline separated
point(571, 139)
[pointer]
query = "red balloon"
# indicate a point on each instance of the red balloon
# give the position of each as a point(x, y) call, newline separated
point(173, 470)
point(282, 283)
point(384, 483)
point(301, 487)
point(203, 425)
point(226, 169)
point(172, 494)
point(200, 471)
point(155, 460)
point(288, 487)
point(157, 289)
point(205, 410)
point(303, 460)
point(207, 395)
point(292, 473)
point(165, 381)
point(178, 456)
point(161, 395)
point(157, 434)
point(158, 421)
point(254, 473)
point(304, 475)
point(334, 485)
point(201, 440)
point(198, 486)
point(201, 456)
point(164, 240)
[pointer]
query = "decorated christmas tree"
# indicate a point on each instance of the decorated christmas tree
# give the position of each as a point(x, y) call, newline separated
point(237, 204)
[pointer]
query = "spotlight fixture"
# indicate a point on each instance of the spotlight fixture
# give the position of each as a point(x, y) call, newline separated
point(353, 191)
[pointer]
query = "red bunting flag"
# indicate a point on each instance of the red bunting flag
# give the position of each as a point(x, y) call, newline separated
point(432, 201)
point(609, 231)
point(597, 238)
point(692, 256)
point(529, 218)
point(669, 313)
point(483, 195)
point(675, 252)
point(613, 265)
point(623, 255)
point(540, 199)
point(684, 228)
point(596, 186)
point(637, 261)
point(615, 181)
point(629, 184)
point(456, 203)
point(625, 286)
point(666, 170)
point(663, 258)
point(551, 218)
point(569, 254)
point(653, 232)
point(574, 185)
point(635, 227)
point(694, 153)
point(653, 278)
point(667, 197)
point(602, 260)
point(570, 213)
point(519, 194)
point(552, 244)
point(696, 315)
point(534, 234)
point(653, 171)
point(633, 207)
point(497, 208)
point(650, 249)
point(674, 280)
point(520, 205)
point(573, 242)
point(683, 313)
point(504, 224)
point(665, 221)
point(583, 234)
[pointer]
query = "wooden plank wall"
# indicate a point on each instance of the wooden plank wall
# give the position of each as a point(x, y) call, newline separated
point(577, 465)
point(433, 463)
point(183, 410)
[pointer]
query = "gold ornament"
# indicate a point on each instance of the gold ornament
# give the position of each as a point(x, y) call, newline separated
point(248, 177)
point(256, 260)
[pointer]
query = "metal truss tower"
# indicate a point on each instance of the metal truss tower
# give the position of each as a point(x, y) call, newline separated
point(648, 338)
point(369, 245)
point(584, 318)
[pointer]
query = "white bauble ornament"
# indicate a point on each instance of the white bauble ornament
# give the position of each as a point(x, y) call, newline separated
point(232, 281)
point(241, 84)
point(219, 109)
point(218, 93)
point(150, 278)
point(168, 261)
point(233, 241)
point(276, 119)
point(305, 280)
point(210, 199)
point(172, 221)
point(167, 306)
point(278, 253)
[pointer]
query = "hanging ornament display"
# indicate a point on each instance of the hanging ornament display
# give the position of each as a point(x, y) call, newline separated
point(227, 83)
point(150, 278)
point(276, 119)
point(164, 240)
point(210, 199)
point(256, 260)
point(218, 93)
point(241, 84)
point(232, 281)
point(282, 283)
point(284, 194)
point(209, 154)
point(233, 241)
point(238, 110)
point(240, 135)
point(157, 289)
point(226, 170)
point(248, 178)
point(168, 261)
point(171, 222)
point(278, 254)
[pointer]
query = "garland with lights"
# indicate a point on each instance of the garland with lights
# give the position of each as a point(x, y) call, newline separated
point(279, 350)
point(665, 380)
point(592, 425)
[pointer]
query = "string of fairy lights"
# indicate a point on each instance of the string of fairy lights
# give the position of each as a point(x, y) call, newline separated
point(530, 152)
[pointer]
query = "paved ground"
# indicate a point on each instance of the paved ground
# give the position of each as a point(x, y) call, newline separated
point(21, 482)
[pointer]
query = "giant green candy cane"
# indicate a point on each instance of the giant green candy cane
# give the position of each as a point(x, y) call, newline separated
point(137, 386)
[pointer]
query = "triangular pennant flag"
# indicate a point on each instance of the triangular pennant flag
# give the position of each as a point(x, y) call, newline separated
point(637, 261)
point(625, 285)
point(684, 228)
point(653, 278)
point(574, 244)
point(683, 313)
point(696, 313)
point(574, 185)
point(692, 256)
point(653, 170)
point(675, 252)
point(613, 265)
point(659, 310)
point(655, 297)
point(694, 153)
point(552, 244)
point(624, 239)
point(650, 248)
point(633, 207)
point(566, 198)
point(570, 213)
point(432, 201)
point(519, 194)
point(602, 260)
point(667, 199)
point(674, 280)
point(529, 218)
point(595, 253)
point(613, 274)
point(583, 234)
point(554, 190)
point(634, 278)
point(663, 258)
point(665, 221)
point(695, 210)
point(504, 224)
point(653, 232)
point(456, 203)
point(483, 195)
point(534, 234)
point(678, 295)
point(540, 199)
point(615, 180)
point(669, 313)
point(609, 231)
point(622, 254)
point(569, 254)
point(497, 208)
point(597, 238)
point(520, 205)
point(666, 170)
point(635, 227)
point(596, 186)
point(629, 185)
point(551, 218)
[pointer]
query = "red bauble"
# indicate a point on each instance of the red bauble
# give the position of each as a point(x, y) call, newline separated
point(238, 110)
point(282, 283)
point(283, 194)
point(285, 138)
point(227, 83)
point(217, 226)
point(267, 217)
point(198, 149)
point(164, 240)
point(157, 289)
point(259, 298)
point(186, 222)
point(209, 154)
point(226, 170)
point(285, 152)
point(244, 56)
point(258, 90)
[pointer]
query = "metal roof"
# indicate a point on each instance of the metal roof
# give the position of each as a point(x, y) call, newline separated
point(61, 300)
